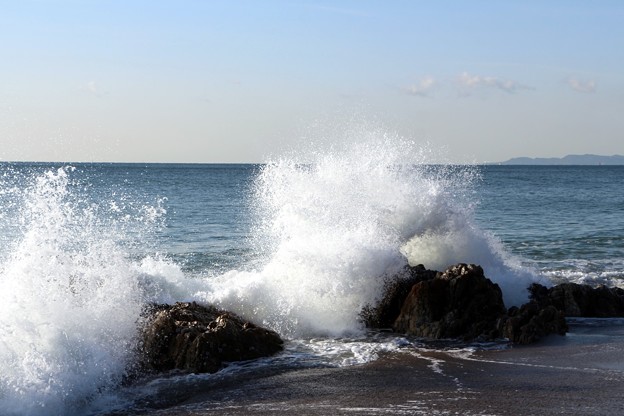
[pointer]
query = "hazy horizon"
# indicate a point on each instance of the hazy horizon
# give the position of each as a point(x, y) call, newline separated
point(538, 160)
point(244, 81)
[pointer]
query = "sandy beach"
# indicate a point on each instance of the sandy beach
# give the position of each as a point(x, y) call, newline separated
point(579, 374)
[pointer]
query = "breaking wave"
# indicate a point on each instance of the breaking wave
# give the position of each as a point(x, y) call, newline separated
point(334, 224)
point(76, 269)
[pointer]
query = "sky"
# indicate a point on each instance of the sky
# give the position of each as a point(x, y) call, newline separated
point(241, 81)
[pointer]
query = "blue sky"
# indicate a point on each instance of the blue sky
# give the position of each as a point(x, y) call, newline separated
point(240, 81)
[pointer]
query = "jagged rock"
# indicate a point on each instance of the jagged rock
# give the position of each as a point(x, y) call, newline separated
point(462, 303)
point(545, 313)
point(458, 303)
point(532, 321)
point(583, 300)
point(195, 338)
point(539, 293)
point(396, 289)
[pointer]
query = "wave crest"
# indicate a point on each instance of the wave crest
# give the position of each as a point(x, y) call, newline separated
point(335, 226)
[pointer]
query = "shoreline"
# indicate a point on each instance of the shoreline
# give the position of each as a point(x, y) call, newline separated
point(579, 374)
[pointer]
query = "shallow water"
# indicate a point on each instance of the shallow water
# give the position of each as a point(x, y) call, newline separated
point(578, 374)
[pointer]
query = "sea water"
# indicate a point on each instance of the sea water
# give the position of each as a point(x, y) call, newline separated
point(299, 244)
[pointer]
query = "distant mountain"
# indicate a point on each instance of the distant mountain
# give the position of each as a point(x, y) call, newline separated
point(567, 160)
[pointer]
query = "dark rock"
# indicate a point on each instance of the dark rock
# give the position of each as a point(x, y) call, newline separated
point(576, 300)
point(195, 338)
point(532, 321)
point(459, 303)
point(546, 312)
point(396, 289)
point(583, 300)
point(540, 294)
point(462, 303)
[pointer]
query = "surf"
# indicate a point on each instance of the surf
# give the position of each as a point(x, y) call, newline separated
point(70, 297)
point(335, 224)
point(80, 262)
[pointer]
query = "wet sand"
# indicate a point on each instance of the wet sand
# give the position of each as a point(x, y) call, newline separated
point(579, 374)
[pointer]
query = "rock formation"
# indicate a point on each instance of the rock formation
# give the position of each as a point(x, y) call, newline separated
point(462, 303)
point(397, 288)
point(195, 338)
point(458, 303)
point(582, 300)
point(530, 322)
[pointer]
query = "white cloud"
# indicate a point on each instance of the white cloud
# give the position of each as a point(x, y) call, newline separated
point(469, 83)
point(422, 88)
point(587, 87)
point(92, 88)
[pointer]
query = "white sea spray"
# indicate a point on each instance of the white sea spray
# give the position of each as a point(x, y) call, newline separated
point(333, 225)
point(70, 299)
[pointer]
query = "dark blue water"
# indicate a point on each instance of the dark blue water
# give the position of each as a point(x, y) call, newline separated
point(297, 248)
point(568, 220)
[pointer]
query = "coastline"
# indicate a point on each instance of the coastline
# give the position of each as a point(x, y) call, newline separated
point(579, 374)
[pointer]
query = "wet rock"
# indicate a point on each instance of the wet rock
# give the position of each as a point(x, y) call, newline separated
point(462, 303)
point(396, 289)
point(195, 338)
point(576, 300)
point(458, 303)
point(545, 313)
point(532, 321)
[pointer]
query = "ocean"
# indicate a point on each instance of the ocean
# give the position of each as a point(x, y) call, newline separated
point(299, 246)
